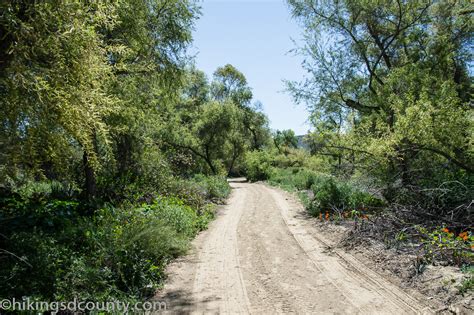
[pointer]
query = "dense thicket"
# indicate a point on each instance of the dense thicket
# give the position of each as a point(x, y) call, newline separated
point(216, 122)
point(389, 87)
point(105, 128)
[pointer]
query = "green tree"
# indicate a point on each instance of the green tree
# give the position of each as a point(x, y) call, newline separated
point(87, 79)
point(393, 77)
point(215, 121)
point(54, 88)
point(230, 83)
point(208, 135)
point(148, 63)
point(285, 139)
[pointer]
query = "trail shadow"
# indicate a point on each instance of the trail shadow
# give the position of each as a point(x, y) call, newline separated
point(181, 302)
point(177, 302)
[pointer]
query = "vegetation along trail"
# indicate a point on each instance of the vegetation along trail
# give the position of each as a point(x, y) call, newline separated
point(121, 122)
point(259, 256)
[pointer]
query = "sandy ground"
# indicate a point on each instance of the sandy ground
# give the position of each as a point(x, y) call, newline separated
point(261, 256)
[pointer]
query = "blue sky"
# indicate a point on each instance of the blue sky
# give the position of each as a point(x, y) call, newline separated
point(255, 37)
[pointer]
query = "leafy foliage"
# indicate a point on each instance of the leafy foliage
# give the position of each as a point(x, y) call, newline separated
point(329, 195)
point(388, 87)
point(215, 122)
point(118, 252)
point(216, 187)
point(94, 201)
point(258, 165)
point(443, 244)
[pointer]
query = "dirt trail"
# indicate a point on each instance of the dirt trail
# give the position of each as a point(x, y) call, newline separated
point(260, 256)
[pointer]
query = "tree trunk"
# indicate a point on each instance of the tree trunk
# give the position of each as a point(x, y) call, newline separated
point(90, 182)
point(231, 166)
point(211, 166)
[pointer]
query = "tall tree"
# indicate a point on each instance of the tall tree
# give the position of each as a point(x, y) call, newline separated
point(54, 86)
point(230, 83)
point(396, 73)
point(285, 139)
point(85, 79)
point(148, 61)
point(215, 121)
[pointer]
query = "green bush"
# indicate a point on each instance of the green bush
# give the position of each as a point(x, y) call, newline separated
point(327, 196)
point(200, 190)
point(115, 253)
point(303, 179)
point(298, 177)
point(137, 243)
point(332, 195)
point(206, 214)
point(258, 165)
point(189, 191)
point(18, 212)
point(215, 188)
point(30, 263)
point(328, 193)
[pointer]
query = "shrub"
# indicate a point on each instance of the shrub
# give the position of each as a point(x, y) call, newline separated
point(189, 191)
point(444, 244)
point(298, 177)
point(327, 196)
point(443, 195)
point(207, 213)
point(118, 252)
point(30, 263)
point(18, 213)
point(332, 195)
point(258, 165)
point(303, 178)
point(172, 212)
point(200, 190)
point(216, 188)
point(291, 158)
point(138, 249)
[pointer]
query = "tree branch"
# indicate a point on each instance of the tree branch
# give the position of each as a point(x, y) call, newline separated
point(457, 162)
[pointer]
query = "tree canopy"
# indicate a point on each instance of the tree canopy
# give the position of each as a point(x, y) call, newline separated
point(390, 82)
point(216, 122)
point(95, 87)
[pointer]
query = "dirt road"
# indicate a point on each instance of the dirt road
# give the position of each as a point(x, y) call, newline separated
point(260, 256)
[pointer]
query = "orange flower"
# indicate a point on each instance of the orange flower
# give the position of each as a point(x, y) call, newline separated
point(327, 216)
point(445, 230)
point(463, 235)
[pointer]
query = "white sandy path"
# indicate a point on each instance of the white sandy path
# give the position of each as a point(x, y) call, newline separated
point(260, 256)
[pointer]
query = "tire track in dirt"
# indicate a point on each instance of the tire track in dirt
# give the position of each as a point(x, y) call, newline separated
point(259, 257)
point(365, 289)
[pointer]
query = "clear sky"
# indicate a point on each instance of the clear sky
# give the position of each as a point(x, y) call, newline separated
point(255, 36)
